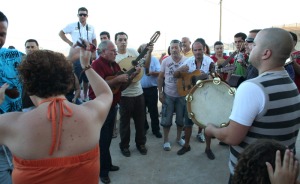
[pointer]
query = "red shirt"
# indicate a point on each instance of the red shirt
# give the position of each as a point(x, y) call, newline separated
point(105, 69)
point(213, 57)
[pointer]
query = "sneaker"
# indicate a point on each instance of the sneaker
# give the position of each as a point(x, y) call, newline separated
point(201, 137)
point(181, 142)
point(125, 152)
point(210, 154)
point(142, 148)
point(167, 146)
point(183, 150)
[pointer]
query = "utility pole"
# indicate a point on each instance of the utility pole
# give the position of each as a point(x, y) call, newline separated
point(220, 31)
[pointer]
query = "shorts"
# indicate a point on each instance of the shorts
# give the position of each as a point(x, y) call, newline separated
point(168, 109)
point(187, 121)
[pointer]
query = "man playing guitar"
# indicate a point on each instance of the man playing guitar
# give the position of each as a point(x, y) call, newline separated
point(198, 62)
point(219, 58)
point(106, 66)
point(240, 58)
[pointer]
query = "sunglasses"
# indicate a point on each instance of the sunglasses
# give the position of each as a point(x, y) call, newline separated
point(82, 14)
point(249, 40)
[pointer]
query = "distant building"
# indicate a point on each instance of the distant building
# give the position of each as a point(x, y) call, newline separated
point(295, 28)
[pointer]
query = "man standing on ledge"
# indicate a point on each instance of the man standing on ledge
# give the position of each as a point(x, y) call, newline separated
point(85, 31)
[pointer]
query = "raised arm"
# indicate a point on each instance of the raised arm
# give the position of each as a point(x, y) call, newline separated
point(102, 103)
point(160, 83)
point(148, 58)
point(77, 89)
point(2, 92)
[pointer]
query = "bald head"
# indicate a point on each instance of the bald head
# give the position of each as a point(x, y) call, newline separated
point(186, 43)
point(273, 44)
point(279, 41)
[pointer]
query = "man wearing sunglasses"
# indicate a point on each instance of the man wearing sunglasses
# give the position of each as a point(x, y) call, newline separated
point(251, 71)
point(78, 30)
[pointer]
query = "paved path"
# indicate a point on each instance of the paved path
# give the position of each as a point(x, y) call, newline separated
point(166, 167)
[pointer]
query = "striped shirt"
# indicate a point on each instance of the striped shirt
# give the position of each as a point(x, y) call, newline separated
point(279, 117)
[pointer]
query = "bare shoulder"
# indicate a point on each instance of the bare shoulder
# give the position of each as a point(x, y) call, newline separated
point(10, 119)
point(94, 110)
point(8, 124)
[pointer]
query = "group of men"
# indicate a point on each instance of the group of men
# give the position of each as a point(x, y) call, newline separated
point(271, 111)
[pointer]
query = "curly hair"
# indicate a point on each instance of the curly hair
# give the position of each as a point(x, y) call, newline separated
point(251, 167)
point(46, 73)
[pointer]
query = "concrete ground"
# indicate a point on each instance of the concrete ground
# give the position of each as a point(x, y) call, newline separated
point(166, 167)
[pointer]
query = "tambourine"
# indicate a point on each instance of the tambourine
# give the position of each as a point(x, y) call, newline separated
point(210, 101)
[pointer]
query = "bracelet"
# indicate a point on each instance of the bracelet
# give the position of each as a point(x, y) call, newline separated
point(86, 68)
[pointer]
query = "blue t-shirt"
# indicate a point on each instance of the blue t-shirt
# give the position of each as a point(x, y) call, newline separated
point(9, 61)
point(151, 81)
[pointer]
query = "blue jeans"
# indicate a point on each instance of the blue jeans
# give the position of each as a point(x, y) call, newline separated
point(168, 108)
point(6, 165)
point(187, 121)
point(105, 141)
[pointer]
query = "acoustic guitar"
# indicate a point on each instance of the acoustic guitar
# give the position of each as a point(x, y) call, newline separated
point(222, 64)
point(116, 88)
point(128, 64)
point(187, 81)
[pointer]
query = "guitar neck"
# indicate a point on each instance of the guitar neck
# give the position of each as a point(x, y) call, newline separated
point(132, 70)
point(142, 54)
point(228, 59)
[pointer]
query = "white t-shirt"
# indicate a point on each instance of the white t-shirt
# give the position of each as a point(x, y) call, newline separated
point(135, 88)
point(249, 101)
point(168, 67)
point(190, 62)
point(83, 33)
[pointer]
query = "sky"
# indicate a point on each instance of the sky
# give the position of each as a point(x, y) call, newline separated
point(140, 19)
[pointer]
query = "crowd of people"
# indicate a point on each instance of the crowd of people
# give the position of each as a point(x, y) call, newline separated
point(71, 138)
